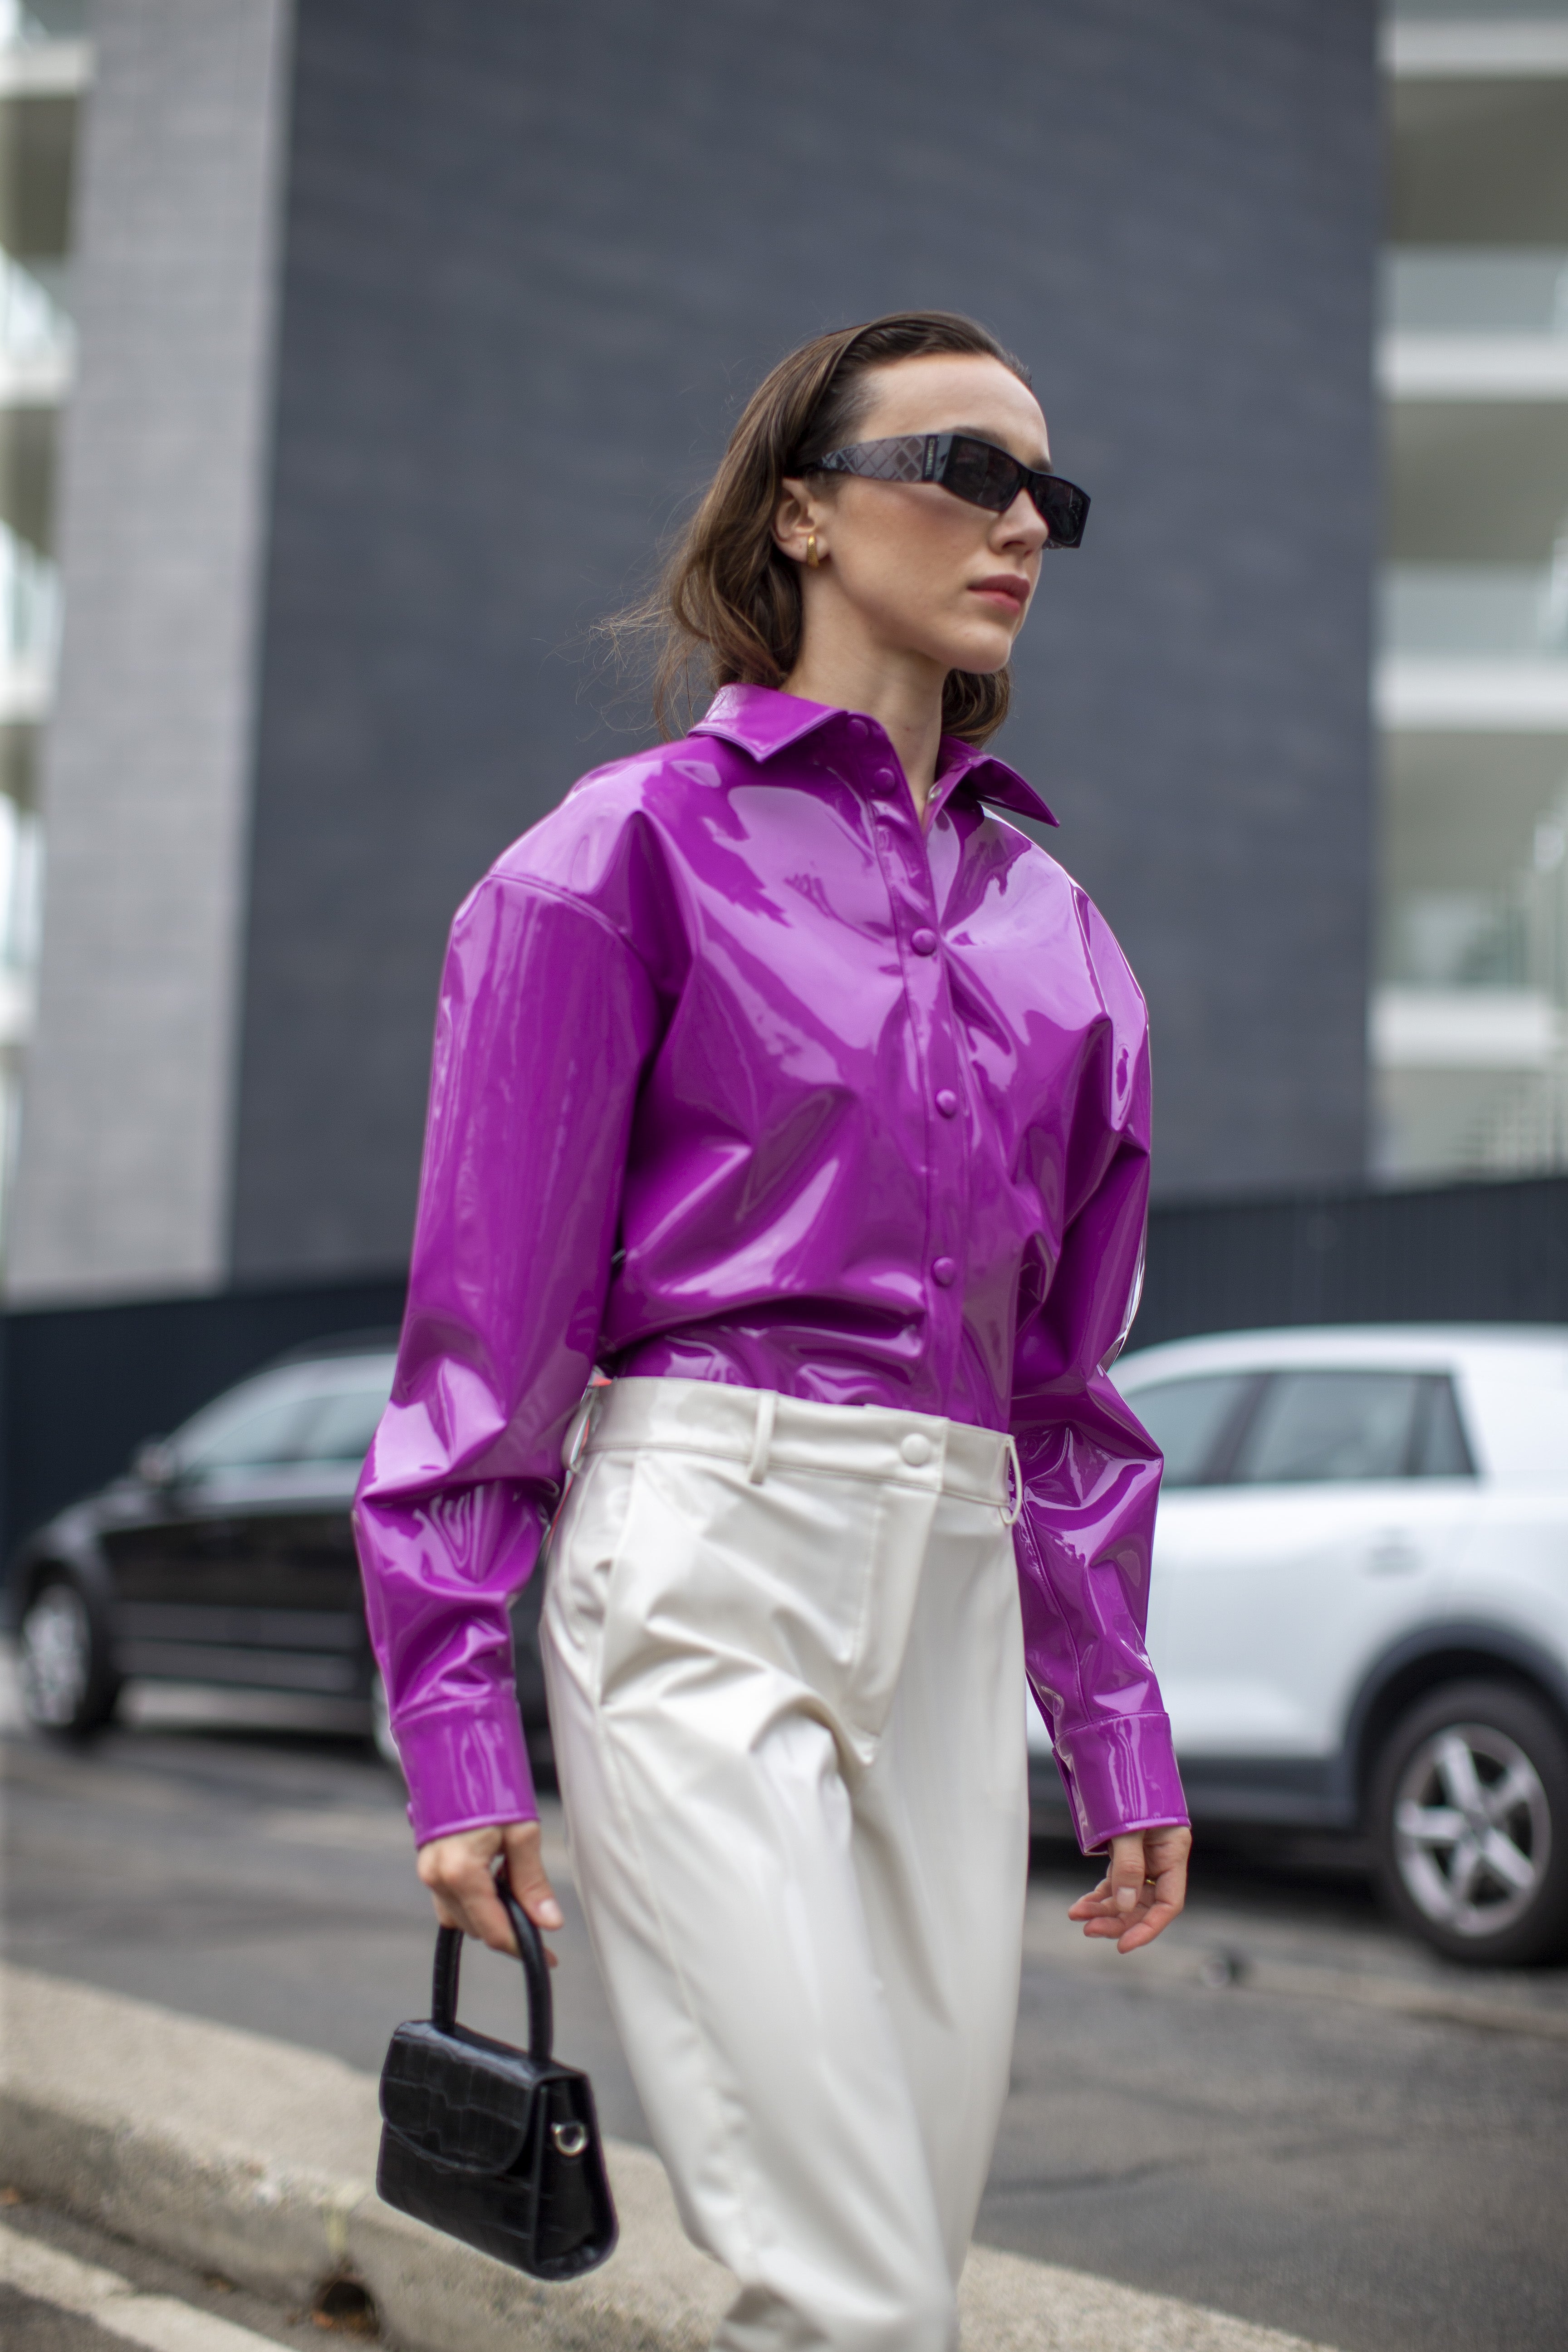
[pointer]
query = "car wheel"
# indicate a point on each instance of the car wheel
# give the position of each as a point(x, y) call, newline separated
point(1469, 1816)
point(381, 1725)
point(68, 1684)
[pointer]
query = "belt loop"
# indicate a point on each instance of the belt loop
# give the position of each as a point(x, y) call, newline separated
point(1010, 1511)
point(761, 1441)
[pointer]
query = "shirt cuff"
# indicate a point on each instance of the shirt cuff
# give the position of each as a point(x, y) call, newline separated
point(1120, 1773)
point(466, 1767)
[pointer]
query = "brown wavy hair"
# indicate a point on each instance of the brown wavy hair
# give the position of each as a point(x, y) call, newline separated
point(727, 610)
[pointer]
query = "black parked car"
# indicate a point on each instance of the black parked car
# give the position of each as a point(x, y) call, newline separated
point(225, 1555)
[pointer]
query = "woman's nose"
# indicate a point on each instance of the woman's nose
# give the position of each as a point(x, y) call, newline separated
point(1022, 524)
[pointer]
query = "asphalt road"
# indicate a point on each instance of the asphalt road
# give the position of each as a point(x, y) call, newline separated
point(1282, 2111)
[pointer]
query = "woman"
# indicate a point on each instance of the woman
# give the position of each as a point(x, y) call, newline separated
point(777, 1075)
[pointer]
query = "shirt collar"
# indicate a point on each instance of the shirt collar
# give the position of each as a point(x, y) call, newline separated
point(762, 721)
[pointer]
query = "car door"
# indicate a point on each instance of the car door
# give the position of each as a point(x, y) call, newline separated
point(1331, 1520)
point(1194, 1420)
point(296, 1566)
point(241, 1569)
point(174, 1551)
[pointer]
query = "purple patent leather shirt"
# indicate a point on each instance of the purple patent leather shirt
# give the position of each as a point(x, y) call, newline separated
point(741, 1075)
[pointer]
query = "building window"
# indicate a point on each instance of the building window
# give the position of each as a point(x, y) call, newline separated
point(1469, 1016)
point(44, 65)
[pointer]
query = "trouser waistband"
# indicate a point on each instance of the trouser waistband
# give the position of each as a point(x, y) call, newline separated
point(768, 1432)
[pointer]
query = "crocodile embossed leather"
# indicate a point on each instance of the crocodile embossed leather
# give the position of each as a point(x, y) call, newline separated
point(495, 2146)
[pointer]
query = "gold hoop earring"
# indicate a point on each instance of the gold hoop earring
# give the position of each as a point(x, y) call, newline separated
point(812, 557)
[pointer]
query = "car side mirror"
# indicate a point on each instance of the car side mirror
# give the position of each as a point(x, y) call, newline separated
point(155, 1464)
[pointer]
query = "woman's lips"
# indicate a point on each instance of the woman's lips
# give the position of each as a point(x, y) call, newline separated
point(1005, 589)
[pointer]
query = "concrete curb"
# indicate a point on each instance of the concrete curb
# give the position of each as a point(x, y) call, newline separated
point(251, 2157)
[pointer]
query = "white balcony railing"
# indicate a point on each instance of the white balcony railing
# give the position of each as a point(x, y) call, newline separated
point(1467, 40)
point(39, 24)
point(29, 607)
point(21, 899)
point(1458, 938)
point(1514, 1029)
point(1474, 323)
point(1480, 290)
point(1479, 612)
point(36, 329)
point(1508, 933)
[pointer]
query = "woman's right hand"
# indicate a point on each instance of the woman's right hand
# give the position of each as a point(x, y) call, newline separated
point(459, 1873)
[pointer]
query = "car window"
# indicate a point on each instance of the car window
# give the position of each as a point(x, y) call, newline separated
point(1441, 1449)
point(247, 1431)
point(1189, 1419)
point(1314, 1426)
point(340, 1425)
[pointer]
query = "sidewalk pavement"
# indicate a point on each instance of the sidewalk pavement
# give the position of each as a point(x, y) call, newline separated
point(60, 2282)
point(254, 2158)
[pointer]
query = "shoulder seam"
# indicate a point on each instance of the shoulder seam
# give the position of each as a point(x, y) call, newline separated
point(578, 907)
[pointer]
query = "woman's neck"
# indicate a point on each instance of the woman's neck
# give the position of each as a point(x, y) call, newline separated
point(901, 691)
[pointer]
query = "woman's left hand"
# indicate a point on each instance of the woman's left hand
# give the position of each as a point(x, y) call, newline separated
point(1145, 1888)
point(459, 1871)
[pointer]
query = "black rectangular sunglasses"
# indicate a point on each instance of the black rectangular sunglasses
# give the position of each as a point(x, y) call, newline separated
point(974, 470)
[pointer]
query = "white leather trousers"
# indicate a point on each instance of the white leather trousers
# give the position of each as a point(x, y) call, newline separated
point(786, 1686)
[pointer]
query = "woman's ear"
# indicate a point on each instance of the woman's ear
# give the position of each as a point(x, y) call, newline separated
point(795, 519)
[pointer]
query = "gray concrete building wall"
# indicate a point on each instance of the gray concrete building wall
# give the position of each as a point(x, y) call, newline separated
point(125, 1169)
point(535, 260)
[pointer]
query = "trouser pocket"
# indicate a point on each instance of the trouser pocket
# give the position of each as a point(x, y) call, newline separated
point(804, 1585)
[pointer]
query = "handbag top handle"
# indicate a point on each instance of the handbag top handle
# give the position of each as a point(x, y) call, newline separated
point(535, 1970)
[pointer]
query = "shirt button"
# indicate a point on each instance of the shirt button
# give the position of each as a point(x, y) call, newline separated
point(946, 1101)
point(924, 943)
point(884, 780)
point(943, 1270)
point(859, 729)
point(915, 1449)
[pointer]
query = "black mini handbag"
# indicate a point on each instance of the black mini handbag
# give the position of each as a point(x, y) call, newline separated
point(495, 2146)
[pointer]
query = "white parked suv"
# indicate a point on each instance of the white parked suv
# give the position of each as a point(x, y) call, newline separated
point(1358, 1611)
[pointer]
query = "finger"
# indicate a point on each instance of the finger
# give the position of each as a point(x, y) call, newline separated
point(485, 1917)
point(1143, 1930)
point(1171, 1887)
point(477, 1910)
point(1108, 1921)
point(1128, 1871)
point(1112, 1918)
point(1114, 1928)
point(530, 1882)
point(1097, 1895)
point(1168, 1848)
point(463, 1893)
point(1169, 1894)
point(468, 1919)
point(446, 1864)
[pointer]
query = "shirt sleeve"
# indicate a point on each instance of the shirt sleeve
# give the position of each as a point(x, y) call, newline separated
point(1091, 1474)
point(546, 1019)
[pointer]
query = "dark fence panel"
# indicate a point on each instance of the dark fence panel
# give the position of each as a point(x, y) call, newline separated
point(81, 1387)
point(1461, 1253)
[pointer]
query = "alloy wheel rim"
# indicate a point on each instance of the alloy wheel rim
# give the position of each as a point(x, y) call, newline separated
point(56, 1655)
point(1472, 1830)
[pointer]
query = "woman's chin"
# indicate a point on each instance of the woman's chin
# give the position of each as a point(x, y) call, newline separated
point(982, 654)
